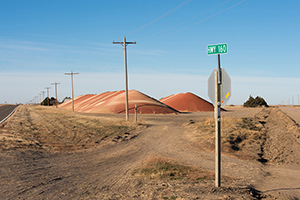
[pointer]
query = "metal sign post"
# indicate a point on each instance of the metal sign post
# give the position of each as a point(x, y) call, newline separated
point(220, 83)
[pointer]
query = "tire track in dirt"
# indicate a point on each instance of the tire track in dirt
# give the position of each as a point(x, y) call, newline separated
point(105, 171)
point(67, 173)
point(99, 170)
point(85, 173)
point(54, 127)
point(89, 173)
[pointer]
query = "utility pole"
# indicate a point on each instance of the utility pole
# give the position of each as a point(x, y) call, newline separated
point(135, 112)
point(72, 90)
point(48, 94)
point(55, 92)
point(43, 95)
point(124, 44)
point(40, 98)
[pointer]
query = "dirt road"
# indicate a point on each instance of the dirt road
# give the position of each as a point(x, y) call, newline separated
point(105, 170)
point(293, 112)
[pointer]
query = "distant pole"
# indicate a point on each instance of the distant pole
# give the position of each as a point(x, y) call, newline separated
point(124, 44)
point(48, 94)
point(135, 112)
point(43, 95)
point(40, 98)
point(72, 90)
point(217, 113)
point(298, 100)
point(55, 92)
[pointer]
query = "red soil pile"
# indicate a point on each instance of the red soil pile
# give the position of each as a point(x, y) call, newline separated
point(114, 102)
point(78, 101)
point(187, 102)
point(96, 101)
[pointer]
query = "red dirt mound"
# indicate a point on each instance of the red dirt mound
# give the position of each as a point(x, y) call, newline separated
point(96, 101)
point(187, 102)
point(78, 101)
point(114, 102)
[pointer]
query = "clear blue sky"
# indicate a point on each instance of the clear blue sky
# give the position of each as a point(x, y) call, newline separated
point(41, 40)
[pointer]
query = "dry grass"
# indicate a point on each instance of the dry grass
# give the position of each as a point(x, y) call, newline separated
point(163, 168)
point(239, 136)
point(47, 127)
point(269, 136)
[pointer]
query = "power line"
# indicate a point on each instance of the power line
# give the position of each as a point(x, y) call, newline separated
point(162, 16)
point(186, 21)
point(106, 50)
point(108, 61)
point(103, 52)
point(195, 23)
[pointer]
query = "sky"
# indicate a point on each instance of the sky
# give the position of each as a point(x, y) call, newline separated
point(40, 41)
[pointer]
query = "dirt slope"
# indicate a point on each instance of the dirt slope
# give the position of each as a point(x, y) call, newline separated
point(112, 168)
point(114, 102)
point(78, 101)
point(188, 102)
point(145, 104)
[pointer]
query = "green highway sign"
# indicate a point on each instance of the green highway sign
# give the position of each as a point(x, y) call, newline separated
point(216, 49)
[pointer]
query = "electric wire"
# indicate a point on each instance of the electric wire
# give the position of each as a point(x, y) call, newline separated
point(104, 51)
point(169, 12)
point(103, 65)
point(162, 16)
point(184, 21)
point(109, 61)
point(194, 23)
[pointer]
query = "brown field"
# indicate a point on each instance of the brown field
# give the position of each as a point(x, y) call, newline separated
point(49, 153)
